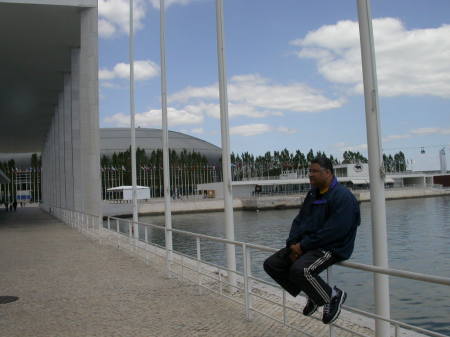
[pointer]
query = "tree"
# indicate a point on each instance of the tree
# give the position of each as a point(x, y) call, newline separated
point(351, 157)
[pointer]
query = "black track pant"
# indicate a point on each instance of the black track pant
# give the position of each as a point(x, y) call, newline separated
point(303, 274)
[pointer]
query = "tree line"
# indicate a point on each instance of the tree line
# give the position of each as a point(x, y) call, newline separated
point(277, 160)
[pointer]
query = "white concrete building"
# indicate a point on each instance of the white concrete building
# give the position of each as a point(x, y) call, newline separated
point(49, 96)
point(126, 192)
point(354, 176)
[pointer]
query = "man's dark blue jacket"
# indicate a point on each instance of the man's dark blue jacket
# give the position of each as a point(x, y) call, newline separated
point(327, 221)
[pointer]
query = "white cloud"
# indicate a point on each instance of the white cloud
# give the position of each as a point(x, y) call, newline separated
point(107, 84)
point(143, 70)
point(255, 96)
point(106, 28)
point(198, 131)
point(431, 131)
point(409, 62)
point(339, 145)
point(250, 129)
point(283, 129)
point(360, 147)
point(345, 147)
point(412, 133)
point(211, 92)
point(114, 16)
point(395, 137)
point(152, 118)
point(257, 129)
point(118, 120)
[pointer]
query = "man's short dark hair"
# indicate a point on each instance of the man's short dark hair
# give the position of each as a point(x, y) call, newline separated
point(323, 162)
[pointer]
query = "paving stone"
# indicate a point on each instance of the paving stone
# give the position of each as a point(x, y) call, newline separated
point(70, 285)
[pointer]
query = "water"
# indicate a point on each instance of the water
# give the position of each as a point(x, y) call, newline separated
point(418, 241)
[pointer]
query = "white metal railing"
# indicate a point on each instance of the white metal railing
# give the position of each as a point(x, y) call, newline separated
point(92, 224)
point(81, 221)
point(246, 276)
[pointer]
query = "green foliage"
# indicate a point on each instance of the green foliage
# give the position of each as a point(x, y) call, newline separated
point(351, 157)
point(121, 161)
point(269, 164)
point(396, 163)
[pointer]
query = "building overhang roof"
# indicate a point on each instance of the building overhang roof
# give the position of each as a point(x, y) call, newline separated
point(359, 181)
point(126, 188)
point(37, 39)
point(73, 3)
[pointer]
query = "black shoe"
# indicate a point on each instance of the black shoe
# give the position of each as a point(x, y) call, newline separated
point(310, 308)
point(332, 310)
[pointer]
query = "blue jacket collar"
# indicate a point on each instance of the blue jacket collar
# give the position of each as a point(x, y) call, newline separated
point(333, 184)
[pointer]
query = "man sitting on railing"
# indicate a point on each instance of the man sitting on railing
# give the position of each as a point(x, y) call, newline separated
point(322, 234)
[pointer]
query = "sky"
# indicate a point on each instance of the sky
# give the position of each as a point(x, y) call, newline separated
point(293, 71)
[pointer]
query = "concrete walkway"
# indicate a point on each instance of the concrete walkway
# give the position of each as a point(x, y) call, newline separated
point(69, 285)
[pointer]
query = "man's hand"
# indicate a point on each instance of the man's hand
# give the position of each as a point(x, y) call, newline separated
point(296, 252)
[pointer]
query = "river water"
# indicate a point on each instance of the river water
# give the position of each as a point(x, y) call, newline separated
point(418, 241)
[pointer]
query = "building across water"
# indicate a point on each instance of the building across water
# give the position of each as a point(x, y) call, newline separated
point(354, 176)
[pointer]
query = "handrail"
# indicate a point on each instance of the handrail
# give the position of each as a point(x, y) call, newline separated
point(247, 276)
point(354, 265)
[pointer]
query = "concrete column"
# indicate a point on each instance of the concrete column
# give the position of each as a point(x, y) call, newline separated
point(89, 117)
point(45, 181)
point(61, 136)
point(55, 162)
point(48, 169)
point(57, 156)
point(44, 159)
point(78, 187)
point(68, 173)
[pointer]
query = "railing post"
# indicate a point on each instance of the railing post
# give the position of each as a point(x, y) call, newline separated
point(130, 232)
point(118, 225)
point(332, 329)
point(182, 268)
point(397, 331)
point(169, 251)
point(109, 224)
point(146, 234)
point(247, 272)
point(198, 265)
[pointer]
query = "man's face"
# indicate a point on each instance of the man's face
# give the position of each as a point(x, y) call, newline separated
point(318, 176)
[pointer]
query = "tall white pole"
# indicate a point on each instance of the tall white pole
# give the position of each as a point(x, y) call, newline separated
point(225, 133)
point(165, 135)
point(133, 131)
point(376, 168)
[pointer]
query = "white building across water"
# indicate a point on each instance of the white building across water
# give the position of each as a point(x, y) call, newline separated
point(354, 176)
